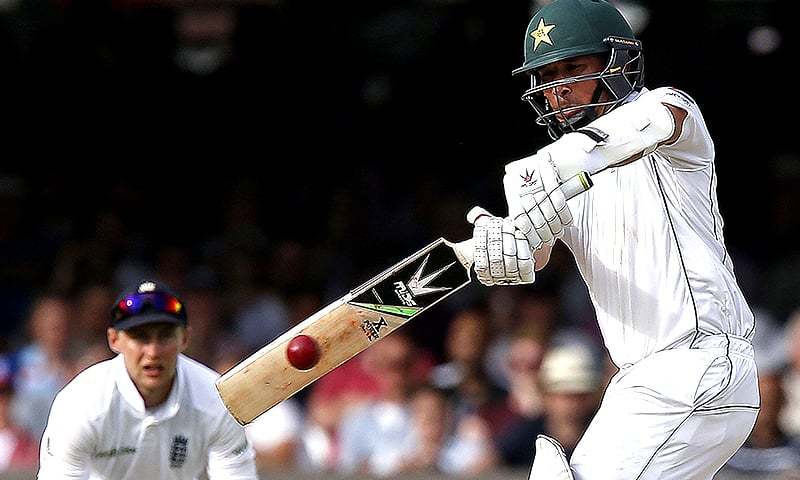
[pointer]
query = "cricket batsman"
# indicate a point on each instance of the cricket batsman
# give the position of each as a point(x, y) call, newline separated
point(648, 241)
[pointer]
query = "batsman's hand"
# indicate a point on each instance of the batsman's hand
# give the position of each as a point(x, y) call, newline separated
point(502, 255)
point(536, 203)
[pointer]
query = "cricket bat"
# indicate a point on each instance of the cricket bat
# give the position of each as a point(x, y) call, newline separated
point(351, 324)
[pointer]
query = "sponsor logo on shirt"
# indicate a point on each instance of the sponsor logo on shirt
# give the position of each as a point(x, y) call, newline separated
point(680, 96)
point(177, 453)
point(114, 452)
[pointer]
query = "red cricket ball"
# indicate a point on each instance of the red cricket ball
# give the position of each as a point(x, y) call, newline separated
point(303, 352)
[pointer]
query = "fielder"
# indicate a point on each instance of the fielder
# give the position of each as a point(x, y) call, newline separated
point(648, 242)
point(150, 412)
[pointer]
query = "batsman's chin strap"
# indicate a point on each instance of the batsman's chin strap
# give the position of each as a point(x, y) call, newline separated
point(591, 114)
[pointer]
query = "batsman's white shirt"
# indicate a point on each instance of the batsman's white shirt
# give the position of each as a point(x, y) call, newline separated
point(647, 239)
point(99, 429)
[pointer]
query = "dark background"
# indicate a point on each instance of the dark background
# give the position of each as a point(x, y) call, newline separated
point(355, 132)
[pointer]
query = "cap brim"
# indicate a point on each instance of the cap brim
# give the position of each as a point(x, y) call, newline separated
point(146, 318)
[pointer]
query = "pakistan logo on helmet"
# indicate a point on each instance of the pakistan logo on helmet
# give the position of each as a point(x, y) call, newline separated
point(541, 34)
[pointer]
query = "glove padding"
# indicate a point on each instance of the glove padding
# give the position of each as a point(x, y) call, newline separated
point(501, 252)
point(536, 203)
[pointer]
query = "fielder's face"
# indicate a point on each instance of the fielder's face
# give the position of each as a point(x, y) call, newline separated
point(566, 96)
point(151, 355)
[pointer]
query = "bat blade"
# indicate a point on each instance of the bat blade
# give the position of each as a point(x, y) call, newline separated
point(345, 328)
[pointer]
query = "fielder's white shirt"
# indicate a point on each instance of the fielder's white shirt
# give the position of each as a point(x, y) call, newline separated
point(647, 239)
point(99, 429)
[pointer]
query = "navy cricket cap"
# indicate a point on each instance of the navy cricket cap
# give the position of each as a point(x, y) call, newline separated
point(148, 302)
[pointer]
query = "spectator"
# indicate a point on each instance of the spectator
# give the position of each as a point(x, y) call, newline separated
point(332, 397)
point(431, 419)
point(91, 315)
point(43, 365)
point(18, 450)
point(570, 383)
point(464, 374)
point(357, 382)
point(535, 311)
point(790, 416)
point(260, 317)
point(519, 418)
point(318, 448)
point(501, 310)
point(206, 322)
point(387, 420)
point(768, 450)
point(465, 346)
point(441, 442)
point(345, 388)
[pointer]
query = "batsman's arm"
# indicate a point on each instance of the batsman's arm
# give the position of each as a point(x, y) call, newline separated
point(621, 136)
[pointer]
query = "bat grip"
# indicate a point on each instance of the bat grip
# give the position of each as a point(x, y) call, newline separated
point(573, 187)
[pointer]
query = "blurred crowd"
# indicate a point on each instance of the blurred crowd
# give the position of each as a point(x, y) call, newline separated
point(461, 390)
point(504, 374)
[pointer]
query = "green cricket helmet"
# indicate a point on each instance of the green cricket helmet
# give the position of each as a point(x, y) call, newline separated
point(565, 29)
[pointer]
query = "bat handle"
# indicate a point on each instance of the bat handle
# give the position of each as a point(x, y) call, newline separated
point(464, 252)
point(576, 185)
point(573, 187)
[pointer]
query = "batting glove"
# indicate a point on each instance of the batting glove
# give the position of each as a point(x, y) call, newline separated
point(502, 254)
point(536, 203)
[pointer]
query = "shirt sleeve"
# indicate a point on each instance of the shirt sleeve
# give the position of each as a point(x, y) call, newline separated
point(66, 444)
point(230, 455)
point(694, 149)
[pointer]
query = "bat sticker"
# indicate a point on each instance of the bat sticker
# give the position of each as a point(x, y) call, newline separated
point(373, 329)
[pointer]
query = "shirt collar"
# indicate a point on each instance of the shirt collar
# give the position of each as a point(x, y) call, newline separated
point(131, 395)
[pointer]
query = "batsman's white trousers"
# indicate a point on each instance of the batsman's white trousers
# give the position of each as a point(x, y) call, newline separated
point(678, 414)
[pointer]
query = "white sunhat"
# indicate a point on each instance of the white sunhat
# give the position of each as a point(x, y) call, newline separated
point(569, 369)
